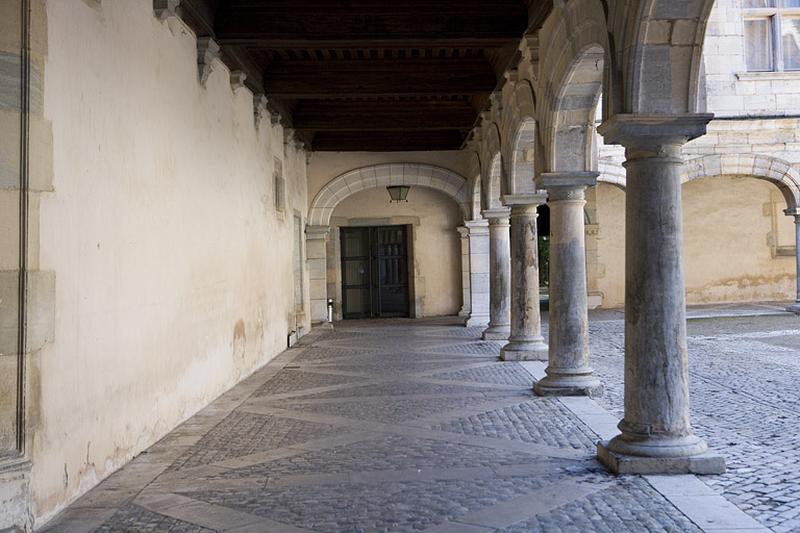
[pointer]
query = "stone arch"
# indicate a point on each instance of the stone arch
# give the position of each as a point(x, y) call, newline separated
point(492, 191)
point(768, 168)
point(523, 158)
point(383, 175)
point(764, 167)
point(658, 55)
point(475, 198)
point(574, 116)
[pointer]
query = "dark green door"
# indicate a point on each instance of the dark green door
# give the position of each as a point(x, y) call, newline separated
point(375, 272)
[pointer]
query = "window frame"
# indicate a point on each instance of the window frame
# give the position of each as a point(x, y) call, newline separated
point(774, 16)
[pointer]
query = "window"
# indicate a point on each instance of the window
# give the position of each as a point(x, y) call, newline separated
point(280, 185)
point(772, 35)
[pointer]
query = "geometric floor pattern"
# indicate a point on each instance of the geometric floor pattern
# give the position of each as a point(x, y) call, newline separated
point(381, 426)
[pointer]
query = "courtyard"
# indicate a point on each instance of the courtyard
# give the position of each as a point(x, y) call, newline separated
point(414, 425)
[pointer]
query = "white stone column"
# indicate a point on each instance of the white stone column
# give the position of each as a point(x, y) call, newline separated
point(317, 273)
point(568, 370)
point(525, 342)
point(478, 231)
point(656, 435)
point(795, 308)
point(499, 274)
point(463, 233)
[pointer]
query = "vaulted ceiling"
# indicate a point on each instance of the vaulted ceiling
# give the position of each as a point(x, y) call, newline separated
point(370, 74)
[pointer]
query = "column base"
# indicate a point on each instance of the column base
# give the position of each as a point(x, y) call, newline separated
point(477, 321)
point(528, 350)
point(322, 325)
point(568, 385)
point(496, 333)
point(794, 308)
point(622, 463)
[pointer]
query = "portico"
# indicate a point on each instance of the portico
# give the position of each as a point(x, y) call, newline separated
point(191, 188)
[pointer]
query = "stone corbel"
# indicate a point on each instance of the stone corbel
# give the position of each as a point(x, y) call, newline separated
point(529, 47)
point(260, 109)
point(165, 9)
point(207, 51)
point(512, 76)
point(237, 79)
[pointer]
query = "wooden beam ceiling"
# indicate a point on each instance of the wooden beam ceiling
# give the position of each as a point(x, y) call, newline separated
point(371, 74)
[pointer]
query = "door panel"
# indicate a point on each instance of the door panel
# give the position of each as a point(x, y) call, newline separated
point(375, 272)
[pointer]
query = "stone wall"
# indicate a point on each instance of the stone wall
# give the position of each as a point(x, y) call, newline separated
point(730, 90)
point(172, 265)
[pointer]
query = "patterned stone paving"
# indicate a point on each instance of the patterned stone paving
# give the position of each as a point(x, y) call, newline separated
point(413, 425)
point(743, 379)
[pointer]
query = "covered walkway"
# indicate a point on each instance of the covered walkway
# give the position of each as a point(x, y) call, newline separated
point(415, 426)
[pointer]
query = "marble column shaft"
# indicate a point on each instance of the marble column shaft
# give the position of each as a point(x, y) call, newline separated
point(656, 434)
point(478, 231)
point(525, 341)
point(568, 370)
point(499, 274)
point(463, 233)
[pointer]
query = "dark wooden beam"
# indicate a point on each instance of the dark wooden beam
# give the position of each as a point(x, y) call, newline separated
point(334, 115)
point(342, 78)
point(359, 23)
point(387, 141)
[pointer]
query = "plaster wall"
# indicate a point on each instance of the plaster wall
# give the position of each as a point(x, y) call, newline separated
point(173, 269)
point(738, 245)
point(436, 244)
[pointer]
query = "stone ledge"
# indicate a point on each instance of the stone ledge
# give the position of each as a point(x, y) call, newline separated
point(706, 463)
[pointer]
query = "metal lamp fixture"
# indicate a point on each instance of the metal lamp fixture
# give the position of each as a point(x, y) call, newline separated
point(398, 193)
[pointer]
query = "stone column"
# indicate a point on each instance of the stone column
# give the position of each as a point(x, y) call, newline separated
point(795, 308)
point(656, 435)
point(499, 274)
point(463, 233)
point(525, 342)
point(478, 231)
point(568, 370)
point(317, 273)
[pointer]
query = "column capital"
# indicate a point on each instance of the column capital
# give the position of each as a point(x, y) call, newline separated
point(496, 213)
point(793, 212)
point(630, 129)
point(463, 231)
point(524, 199)
point(478, 223)
point(317, 232)
point(566, 180)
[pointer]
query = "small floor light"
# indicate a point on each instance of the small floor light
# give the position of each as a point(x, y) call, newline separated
point(398, 193)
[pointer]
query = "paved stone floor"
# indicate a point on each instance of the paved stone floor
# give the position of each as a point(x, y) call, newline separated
point(415, 426)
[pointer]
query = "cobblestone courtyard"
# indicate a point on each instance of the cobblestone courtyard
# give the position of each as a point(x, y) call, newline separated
point(415, 426)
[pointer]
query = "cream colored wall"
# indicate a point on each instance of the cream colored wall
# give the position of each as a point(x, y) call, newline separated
point(436, 243)
point(738, 245)
point(173, 270)
point(731, 240)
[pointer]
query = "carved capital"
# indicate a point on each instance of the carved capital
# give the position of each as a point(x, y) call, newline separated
point(237, 79)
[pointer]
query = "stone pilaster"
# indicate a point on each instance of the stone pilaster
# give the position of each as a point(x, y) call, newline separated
point(656, 434)
point(568, 370)
point(795, 308)
point(499, 275)
point(478, 231)
point(317, 273)
point(463, 233)
point(525, 341)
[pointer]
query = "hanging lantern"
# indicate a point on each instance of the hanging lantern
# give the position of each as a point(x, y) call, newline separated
point(398, 193)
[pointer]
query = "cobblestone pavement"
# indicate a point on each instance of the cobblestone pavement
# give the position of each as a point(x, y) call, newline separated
point(743, 376)
point(415, 426)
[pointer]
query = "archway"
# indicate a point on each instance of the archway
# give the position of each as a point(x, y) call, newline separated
point(324, 251)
